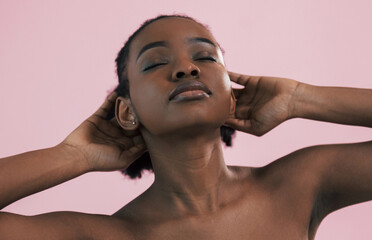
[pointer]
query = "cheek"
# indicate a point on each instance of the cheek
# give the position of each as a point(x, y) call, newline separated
point(222, 95)
point(147, 100)
point(223, 101)
point(148, 103)
point(221, 84)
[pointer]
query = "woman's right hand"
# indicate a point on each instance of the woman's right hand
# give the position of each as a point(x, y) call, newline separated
point(102, 143)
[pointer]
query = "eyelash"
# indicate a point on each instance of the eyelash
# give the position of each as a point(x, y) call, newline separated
point(159, 64)
point(152, 66)
point(207, 58)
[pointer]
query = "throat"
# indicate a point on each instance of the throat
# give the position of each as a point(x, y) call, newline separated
point(192, 189)
point(190, 174)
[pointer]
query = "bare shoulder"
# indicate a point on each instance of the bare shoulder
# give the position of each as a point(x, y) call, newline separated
point(291, 176)
point(289, 187)
point(317, 164)
point(62, 225)
point(315, 181)
point(304, 164)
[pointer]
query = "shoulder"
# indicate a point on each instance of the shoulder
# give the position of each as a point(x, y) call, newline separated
point(320, 179)
point(319, 164)
point(307, 163)
point(62, 225)
point(291, 184)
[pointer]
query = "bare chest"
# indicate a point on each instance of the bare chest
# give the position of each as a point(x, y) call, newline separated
point(253, 221)
point(282, 211)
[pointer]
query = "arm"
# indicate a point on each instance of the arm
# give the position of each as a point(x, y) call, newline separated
point(53, 226)
point(350, 106)
point(31, 172)
point(97, 144)
point(343, 170)
point(63, 225)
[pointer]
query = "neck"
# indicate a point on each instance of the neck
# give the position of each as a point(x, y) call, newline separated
point(189, 172)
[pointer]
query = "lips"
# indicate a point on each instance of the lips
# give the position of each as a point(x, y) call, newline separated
point(188, 86)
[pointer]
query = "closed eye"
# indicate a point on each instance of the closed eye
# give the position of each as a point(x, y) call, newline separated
point(207, 59)
point(153, 66)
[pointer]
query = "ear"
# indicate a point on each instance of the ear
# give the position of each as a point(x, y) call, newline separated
point(125, 115)
point(232, 104)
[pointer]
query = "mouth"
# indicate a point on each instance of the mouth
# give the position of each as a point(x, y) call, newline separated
point(190, 90)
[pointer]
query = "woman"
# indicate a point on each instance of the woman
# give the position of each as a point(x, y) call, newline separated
point(178, 95)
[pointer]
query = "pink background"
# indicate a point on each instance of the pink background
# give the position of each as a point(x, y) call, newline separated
point(57, 63)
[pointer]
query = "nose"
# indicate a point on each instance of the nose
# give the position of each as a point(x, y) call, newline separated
point(184, 70)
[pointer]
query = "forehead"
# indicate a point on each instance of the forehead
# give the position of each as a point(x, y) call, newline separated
point(169, 29)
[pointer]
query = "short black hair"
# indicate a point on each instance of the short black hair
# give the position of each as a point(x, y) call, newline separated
point(136, 169)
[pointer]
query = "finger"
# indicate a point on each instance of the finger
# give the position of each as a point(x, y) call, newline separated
point(134, 153)
point(239, 124)
point(104, 109)
point(138, 140)
point(139, 146)
point(106, 128)
point(237, 92)
point(128, 133)
point(239, 78)
point(121, 130)
point(114, 122)
point(246, 126)
point(125, 142)
point(243, 126)
point(243, 112)
point(131, 133)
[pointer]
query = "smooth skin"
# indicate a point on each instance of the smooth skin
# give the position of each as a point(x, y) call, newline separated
point(195, 195)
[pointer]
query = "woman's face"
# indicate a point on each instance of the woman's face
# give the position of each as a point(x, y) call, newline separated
point(182, 52)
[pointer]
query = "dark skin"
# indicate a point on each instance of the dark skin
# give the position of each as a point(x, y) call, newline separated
point(195, 195)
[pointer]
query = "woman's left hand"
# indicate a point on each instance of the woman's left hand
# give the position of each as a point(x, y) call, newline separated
point(263, 103)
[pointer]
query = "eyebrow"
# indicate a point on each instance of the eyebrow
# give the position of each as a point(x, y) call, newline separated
point(200, 39)
point(166, 44)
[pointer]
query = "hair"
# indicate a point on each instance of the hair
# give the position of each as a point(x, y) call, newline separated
point(136, 169)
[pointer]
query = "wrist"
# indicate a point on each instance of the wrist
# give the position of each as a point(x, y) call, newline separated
point(73, 155)
point(300, 100)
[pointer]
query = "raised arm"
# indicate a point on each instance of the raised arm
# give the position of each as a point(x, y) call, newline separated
point(352, 106)
point(27, 173)
point(344, 170)
point(96, 145)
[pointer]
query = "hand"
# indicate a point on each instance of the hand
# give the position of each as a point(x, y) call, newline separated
point(262, 104)
point(103, 144)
